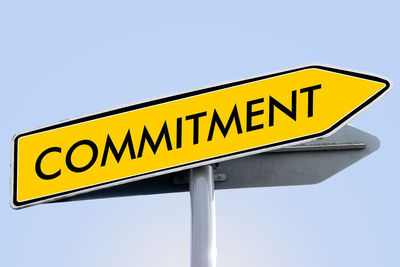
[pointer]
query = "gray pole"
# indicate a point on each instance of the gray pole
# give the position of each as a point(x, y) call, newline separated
point(203, 249)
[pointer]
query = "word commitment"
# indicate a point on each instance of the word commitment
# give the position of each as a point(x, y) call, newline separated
point(104, 153)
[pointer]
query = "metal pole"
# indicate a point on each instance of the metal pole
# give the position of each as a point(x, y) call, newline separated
point(203, 248)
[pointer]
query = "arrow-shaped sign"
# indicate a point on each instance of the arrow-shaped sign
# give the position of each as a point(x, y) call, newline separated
point(183, 131)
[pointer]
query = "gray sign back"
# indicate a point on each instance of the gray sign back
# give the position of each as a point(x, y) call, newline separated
point(305, 164)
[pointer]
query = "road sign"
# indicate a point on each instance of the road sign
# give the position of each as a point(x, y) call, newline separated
point(183, 131)
point(308, 163)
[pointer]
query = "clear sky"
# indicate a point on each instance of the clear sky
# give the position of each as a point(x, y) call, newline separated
point(62, 60)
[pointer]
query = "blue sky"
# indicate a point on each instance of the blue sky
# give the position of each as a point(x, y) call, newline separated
point(62, 60)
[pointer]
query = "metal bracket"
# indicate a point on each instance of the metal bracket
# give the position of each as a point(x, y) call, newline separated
point(322, 146)
point(218, 177)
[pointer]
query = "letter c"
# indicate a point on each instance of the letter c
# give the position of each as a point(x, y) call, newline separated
point(39, 161)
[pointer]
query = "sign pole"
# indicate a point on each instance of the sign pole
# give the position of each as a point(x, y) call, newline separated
point(203, 247)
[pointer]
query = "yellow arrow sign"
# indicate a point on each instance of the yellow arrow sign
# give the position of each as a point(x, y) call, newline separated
point(186, 130)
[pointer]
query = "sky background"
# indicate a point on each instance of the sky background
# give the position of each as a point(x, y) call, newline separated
point(59, 60)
